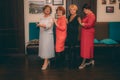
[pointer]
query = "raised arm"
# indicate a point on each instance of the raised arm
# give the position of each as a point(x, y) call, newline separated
point(89, 23)
point(61, 25)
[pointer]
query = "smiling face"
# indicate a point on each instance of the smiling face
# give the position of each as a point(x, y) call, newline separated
point(73, 11)
point(59, 13)
point(47, 11)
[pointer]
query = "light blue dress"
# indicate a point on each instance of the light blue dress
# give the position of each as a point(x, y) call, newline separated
point(46, 39)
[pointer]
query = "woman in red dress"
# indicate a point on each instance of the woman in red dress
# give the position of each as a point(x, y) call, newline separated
point(87, 36)
point(61, 33)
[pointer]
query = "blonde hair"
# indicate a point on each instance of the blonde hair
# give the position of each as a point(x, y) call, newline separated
point(73, 6)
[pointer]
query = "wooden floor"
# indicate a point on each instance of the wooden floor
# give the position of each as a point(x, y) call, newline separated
point(20, 67)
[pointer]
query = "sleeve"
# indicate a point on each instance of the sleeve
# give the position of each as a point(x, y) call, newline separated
point(90, 22)
point(62, 25)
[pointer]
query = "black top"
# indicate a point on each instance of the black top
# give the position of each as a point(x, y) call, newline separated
point(72, 31)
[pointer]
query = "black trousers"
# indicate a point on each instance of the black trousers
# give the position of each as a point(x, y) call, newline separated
point(73, 57)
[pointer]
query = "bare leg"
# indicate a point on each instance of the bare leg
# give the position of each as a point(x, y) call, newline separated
point(83, 64)
point(91, 62)
point(45, 61)
point(45, 64)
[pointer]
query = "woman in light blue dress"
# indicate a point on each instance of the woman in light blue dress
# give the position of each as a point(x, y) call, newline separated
point(46, 41)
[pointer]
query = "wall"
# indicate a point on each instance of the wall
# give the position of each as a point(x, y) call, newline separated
point(102, 16)
point(114, 30)
point(34, 17)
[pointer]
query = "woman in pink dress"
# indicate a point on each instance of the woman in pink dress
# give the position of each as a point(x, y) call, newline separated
point(61, 33)
point(87, 36)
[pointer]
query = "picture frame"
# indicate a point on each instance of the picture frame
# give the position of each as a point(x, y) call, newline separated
point(36, 7)
point(109, 9)
point(58, 2)
point(104, 1)
point(48, 1)
point(112, 1)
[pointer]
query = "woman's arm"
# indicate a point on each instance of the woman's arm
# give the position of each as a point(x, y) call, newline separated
point(62, 25)
point(40, 25)
point(89, 23)
point(79, 20)
point(55, 21)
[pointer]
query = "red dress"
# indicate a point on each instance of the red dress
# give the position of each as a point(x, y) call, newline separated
point(87, 36)
point(61, 32)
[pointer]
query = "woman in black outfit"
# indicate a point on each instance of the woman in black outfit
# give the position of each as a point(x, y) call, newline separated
point(72, 33)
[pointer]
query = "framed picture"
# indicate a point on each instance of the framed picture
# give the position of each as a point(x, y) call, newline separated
point(112, 1)
point(48, 1)
point(109, 9)
point(35, 7)
point(58, 2)
point(104, 2)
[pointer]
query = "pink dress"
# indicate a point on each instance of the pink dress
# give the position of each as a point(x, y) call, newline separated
point(61, 32)
point(87, 36)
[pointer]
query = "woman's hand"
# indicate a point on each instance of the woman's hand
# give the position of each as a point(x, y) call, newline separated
point(37, 24)
point(79, 20)
point(55, 21)
point(67, 21)
point(82, 24)
point(41, 25)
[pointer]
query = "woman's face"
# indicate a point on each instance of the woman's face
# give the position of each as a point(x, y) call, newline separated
point(59, 13)
point(85, 11)
point(47, 11)
point(73, 11)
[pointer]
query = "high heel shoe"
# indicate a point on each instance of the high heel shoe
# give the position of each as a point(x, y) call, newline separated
point(82, 66)
point(92, 62)
point(44, 67)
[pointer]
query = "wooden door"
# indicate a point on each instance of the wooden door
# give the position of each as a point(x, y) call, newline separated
point(11, 26)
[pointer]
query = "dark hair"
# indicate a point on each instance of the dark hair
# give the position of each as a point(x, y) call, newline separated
point(61, 9)
point(86, 6)
point(47, 6)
